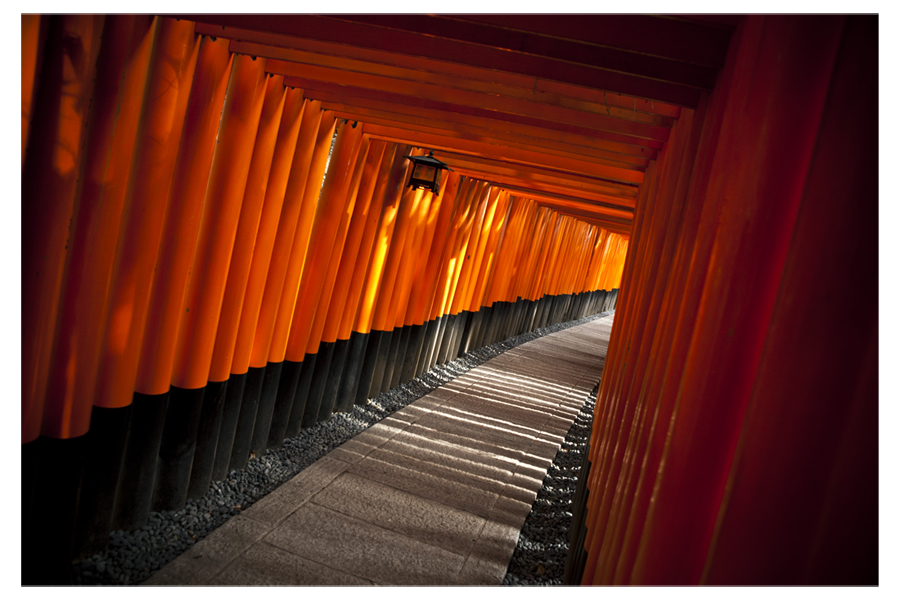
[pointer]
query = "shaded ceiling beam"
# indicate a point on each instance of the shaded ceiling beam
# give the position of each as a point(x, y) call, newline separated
point(597, 149)
point(607, 99)
point(530, 192)
point(524, 172)
point(334, 30)
point(651, 35)
point(624, 228)
point(563, 188)
point(452, 129)
point(623, 231)
point(536, 100)
point(606, 54)
point(539, 188)
point(293, 76)
point(504, 107)
point(625, 180)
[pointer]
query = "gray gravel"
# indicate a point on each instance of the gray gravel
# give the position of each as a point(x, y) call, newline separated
point(132, 556)
point(540, 554)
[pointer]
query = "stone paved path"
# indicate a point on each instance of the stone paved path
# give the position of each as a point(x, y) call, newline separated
point(435, 494)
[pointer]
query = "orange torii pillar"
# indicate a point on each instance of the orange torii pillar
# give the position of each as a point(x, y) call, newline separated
point(173, 263)
point(465, 225)
point(256, 231)
point(397, 209)
point(434, 307)
point(68, 144)
point(721, 383)
point(348, 284)
point(392, 176)
point(206, 287)
point(425, 279)
point(391, 289)
point(412, 256)
point(355, 322)
point(291, 242)
point(326, 246)
point(295, 130)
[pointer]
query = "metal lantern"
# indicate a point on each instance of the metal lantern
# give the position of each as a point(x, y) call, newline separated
point(426, 172)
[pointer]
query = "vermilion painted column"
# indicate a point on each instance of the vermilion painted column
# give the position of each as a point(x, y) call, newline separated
point(449, 267)
point(348, 284)
point(413, 257)
point(389, 190)
point(34, 37)
point(299, 259)
point(121, 76)
point(183, 215)
point(165, 104)
point(293, 130)
point(757, 221)
point(156, 144)
point(358, 340)
point(53, 164)
point(422, 334)
point(73, 366)
point(206, 287)
point(322, 393)
point(637, 423)
point(63, 92)
point(463, 272)
point(252, 233)
point(215, 405)
point(297, 131)
point(801, 503)
point(389, 292)
point(323, 243)
point(50, 177)
point(303, 181)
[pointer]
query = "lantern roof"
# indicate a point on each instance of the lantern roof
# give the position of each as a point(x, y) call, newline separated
point(429, 160)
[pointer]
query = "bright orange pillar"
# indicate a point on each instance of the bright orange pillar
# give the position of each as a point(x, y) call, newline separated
point(156, 148)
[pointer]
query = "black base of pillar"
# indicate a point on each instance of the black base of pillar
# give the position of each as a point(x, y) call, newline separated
point(429, 335)
point(381, 358)
point(135, 491)
point(456, 342)
point(370, 363)
point(234, 397)
point(240, 449)
point(397, 357)
point(435, 351)
point(443, 352)
point(207, 438)
point(103, 465)
point(300, 398)
point(411, 356)
point(389, 353)
point(176, 451)
point(317, 387)
point(265, 408)
point(346, 394)
point(47, 537)
point(332, 381)
point(284, 402)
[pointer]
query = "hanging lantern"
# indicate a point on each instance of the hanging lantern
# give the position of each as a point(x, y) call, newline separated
point(426, 172)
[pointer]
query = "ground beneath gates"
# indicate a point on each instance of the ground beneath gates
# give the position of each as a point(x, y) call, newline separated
point(435, 494)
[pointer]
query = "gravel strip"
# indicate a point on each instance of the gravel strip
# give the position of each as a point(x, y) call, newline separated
point(540, 554)
point(132, 556)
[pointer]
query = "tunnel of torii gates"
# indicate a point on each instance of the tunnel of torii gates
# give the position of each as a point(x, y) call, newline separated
point(220, 248)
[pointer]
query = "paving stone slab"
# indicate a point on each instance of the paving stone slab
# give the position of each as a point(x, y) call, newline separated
point(406, 513)
point(354, 546)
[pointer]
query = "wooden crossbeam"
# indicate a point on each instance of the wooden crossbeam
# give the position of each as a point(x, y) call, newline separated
point(623, 180)
point(657, 66)
point(335, 30)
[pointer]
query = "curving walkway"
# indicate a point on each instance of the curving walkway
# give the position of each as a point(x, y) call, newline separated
point(435, 494)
